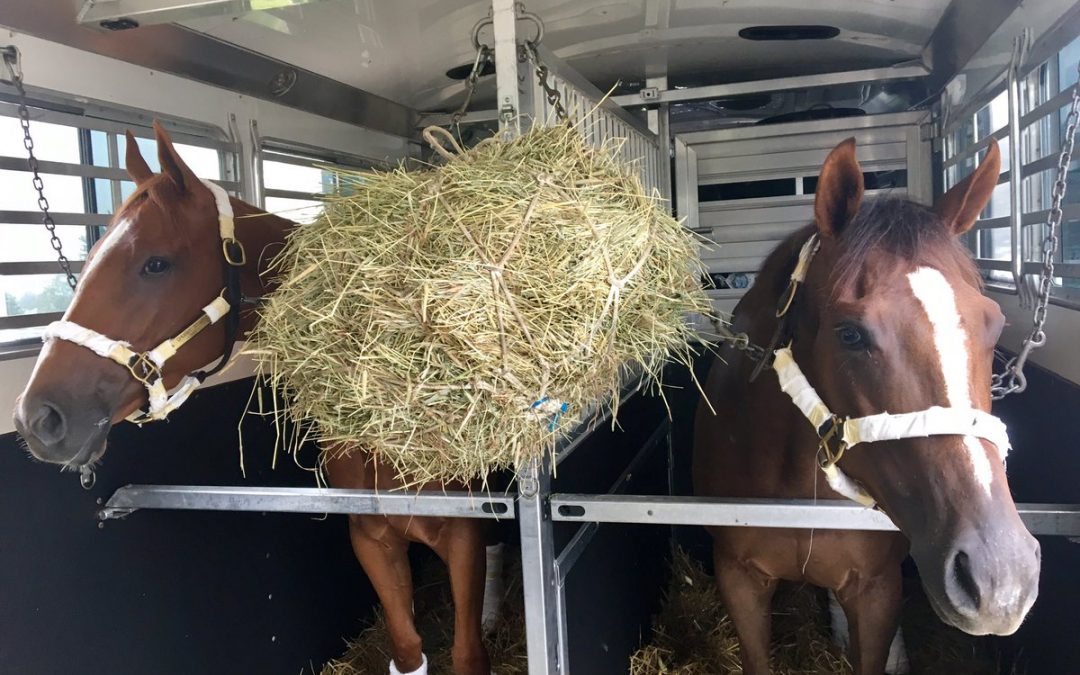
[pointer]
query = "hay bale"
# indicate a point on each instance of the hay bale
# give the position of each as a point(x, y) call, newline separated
point(441, 319)
point(693, 634)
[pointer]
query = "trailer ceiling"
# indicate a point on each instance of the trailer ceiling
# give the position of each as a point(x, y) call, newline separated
point(401, 50)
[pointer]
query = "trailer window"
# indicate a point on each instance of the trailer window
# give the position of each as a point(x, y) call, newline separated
point(1045, 96)
point(295, 179)
point(81, 167)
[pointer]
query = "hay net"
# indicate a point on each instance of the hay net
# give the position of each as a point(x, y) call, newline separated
point(459, 319)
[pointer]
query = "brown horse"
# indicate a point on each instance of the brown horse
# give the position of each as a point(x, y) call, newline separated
point(891, 317)
point(158, 265)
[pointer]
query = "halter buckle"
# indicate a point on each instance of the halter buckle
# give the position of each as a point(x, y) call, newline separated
point(143, 369)
point(830, 431)
point(235, 255)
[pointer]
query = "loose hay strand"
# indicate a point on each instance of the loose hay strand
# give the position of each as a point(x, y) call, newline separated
point(438, 318)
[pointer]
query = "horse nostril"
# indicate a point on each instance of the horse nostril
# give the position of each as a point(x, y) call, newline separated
point(48, 424)
point(965, 581)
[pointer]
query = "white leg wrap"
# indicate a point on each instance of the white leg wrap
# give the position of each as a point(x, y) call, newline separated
point(838, 624)
point(422, 670)
point(494, 588)
point(898, 663)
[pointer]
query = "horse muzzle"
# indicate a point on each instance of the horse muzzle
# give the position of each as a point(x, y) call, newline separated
point(73, 436)
point(984, 583)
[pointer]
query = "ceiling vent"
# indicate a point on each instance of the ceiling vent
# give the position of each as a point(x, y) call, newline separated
point(772, 33)
point(462, 72)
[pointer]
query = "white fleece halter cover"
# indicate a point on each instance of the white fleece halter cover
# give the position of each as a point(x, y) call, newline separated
point(934, 421)
point(161, 403)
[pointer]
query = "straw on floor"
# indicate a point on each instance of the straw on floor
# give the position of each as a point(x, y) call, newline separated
point(693, 634)
point(456, 320)
point(370, 653)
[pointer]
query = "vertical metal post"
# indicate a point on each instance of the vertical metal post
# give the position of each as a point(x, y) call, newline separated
point(658, 124)
point(1016, 178)
point(540, 578)
point(504, 26)
point(257, 196)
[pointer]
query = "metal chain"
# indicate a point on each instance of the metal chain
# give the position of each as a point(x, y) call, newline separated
point(552, 94)
point(1012, 380)
point(12, 61)
point(483, 54)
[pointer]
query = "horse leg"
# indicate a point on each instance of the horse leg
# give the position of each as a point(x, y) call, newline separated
point(464, 552)
point(873, 612)
point(385, 560)
point(747, 597)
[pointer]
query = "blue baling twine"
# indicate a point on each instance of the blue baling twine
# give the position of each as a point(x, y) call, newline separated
point(558, 414)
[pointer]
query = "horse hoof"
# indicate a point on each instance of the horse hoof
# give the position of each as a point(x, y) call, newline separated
point(422, 670)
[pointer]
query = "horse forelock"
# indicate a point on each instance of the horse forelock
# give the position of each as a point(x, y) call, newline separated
point(912, 234)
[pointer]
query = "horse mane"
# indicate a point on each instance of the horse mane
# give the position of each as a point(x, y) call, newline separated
point(895, 225)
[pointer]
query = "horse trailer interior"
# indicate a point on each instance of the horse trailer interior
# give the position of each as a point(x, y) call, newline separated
point(200, 546)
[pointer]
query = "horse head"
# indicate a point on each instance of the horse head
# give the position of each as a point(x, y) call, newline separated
point(894, 320)
point(156, 274)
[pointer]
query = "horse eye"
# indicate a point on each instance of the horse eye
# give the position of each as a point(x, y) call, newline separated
point(156, 266)
point(850, 336)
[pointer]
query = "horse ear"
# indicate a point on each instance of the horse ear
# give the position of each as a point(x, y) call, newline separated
point(171, 163)
point(137, 167)
point(839, 190)
point(961, 205)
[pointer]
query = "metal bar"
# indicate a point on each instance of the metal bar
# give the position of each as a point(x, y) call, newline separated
point(64, 169)
point(443, 119)
point(576, 546)
point(256, 177)
point(1070, 211)
point(187, 53)
point(989, 264)
point(504, 27)
point(29, 320)
point(544, 606)
point(1016, 204)
point(94, 13)
point(291, 194)
point(1066, 270)
point(975, 147)
point(1045, 519)
point(305, 500)
point(1056, 102)
point(902, 72)
point(180, 132)
point(34, 218)
point(303, 154)
point(880, 124)
point(37, 267)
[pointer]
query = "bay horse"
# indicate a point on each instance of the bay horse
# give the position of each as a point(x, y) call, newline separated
point(158, 265)
point(882, 311)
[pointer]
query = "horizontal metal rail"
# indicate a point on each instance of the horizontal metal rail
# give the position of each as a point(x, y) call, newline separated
point(1043, 519)
point(305, 500)
point(904, 72)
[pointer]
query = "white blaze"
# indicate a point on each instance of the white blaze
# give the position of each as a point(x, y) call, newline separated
point(938, 300)
point(116, 234)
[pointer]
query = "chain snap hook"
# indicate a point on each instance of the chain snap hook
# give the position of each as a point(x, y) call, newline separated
point(87, 477)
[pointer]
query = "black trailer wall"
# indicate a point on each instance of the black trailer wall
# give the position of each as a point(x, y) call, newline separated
point(171, 593)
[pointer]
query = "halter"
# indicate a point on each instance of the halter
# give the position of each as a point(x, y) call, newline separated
point(837, 433)
point(147, 367)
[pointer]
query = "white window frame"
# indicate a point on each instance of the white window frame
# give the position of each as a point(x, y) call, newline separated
point(1039, 123)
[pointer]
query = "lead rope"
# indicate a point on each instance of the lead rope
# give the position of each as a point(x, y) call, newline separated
point(1012, 379)
point(13, 61)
